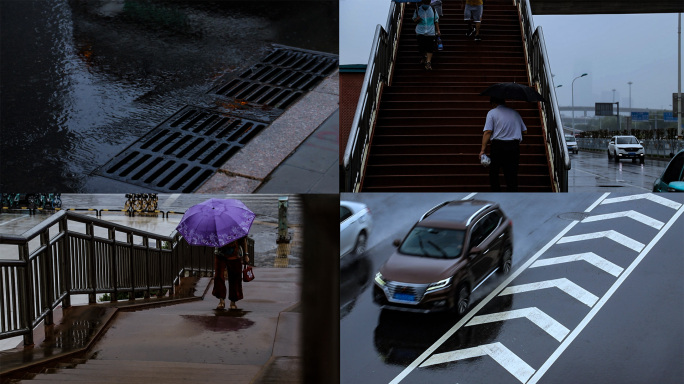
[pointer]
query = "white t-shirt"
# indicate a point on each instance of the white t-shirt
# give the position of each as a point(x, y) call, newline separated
point(505, 124)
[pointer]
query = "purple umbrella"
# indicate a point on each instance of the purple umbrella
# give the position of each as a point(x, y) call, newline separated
point(216, 222)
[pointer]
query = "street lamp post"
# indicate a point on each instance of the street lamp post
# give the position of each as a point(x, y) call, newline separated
point(573, 100)
point(629, 126)
point(613, 95)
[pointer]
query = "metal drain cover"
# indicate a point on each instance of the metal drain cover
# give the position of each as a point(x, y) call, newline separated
point(280, 78)
point(182, 152)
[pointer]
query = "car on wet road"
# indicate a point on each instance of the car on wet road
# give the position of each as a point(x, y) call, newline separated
point(571, 143)
point(625, 147)
point(672, 179)
point(356, 223)
point(448, 253)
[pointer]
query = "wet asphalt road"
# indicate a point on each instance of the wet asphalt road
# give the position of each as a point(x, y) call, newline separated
point(621, 322)
point(81, 80)
point(593, 172)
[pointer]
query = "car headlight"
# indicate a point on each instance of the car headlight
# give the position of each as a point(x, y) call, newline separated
point(439, 285)
point(380, 279)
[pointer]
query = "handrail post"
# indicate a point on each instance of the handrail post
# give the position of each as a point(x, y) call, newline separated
point(65, 253)
point(113, 275)
point(47, 276)
point(90, 232)
point(131, 265)
point(148, 271)
point(26, 300)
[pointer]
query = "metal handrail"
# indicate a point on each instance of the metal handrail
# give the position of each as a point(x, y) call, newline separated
point(540, 71)
point(73, 262)
point(378, 74)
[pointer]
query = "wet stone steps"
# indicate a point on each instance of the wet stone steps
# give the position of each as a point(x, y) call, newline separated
point(181, 153)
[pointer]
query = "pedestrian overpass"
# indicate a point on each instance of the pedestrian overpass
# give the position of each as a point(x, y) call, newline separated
point(420, 131)
point(417, 130)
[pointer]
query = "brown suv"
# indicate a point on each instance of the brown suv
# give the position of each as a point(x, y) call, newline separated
point(448, 253)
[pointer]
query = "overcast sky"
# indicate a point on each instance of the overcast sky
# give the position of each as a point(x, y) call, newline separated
point(612, 49)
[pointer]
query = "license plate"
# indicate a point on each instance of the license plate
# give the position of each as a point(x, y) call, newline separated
point(404, 297)
point(632, 154)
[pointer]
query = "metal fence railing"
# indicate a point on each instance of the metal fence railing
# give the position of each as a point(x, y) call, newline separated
point(378, 74)
point(652, 148)
point(559, 158)
point(71, 253)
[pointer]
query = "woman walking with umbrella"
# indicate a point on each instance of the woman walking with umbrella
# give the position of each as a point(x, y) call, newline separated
point(223, 224)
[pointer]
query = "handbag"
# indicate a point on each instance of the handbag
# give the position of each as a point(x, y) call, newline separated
point(247, 273)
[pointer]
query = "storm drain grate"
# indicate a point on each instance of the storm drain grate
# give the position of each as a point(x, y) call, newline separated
point(280, 78)
point(182, 152)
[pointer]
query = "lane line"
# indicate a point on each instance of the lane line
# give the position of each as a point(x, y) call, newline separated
point(563, 284)
point(648, 196)
point(487, 299)
point(630, 214)
point(497, 351)
point(556, 354)
point(533, 314)
point(610, 234)
point(589, 257)
point(15, 219)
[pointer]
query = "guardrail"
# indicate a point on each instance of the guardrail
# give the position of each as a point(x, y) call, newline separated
point(71, 253)
point(537, 59)
point(378, 74)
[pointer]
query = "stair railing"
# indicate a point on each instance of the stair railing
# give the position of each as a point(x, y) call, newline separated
point(540, 71)
point(378, 74)
point(71, 253)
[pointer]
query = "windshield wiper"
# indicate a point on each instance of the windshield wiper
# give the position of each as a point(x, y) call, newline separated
point(438, 248)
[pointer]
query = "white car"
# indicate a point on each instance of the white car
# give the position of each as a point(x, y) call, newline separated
point(356, 223)
point(626, 147)
point(572, 144)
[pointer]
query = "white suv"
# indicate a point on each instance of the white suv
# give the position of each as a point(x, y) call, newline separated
point(625, 147)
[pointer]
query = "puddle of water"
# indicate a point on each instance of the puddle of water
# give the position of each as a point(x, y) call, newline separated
point(221, 321)
point(86, 79)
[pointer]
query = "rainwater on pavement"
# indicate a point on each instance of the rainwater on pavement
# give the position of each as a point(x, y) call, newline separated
point(82, 80)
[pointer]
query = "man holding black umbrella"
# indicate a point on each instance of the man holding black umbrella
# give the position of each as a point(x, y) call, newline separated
point(504, 127)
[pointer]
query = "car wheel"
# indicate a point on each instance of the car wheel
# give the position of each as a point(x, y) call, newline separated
point(360, 246)
point(506, 262)
point(609, 155)
point(462, 300)
point(641, 161)
point(617, 159)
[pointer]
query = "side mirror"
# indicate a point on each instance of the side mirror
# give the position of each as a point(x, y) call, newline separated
point(641, 142)
point(612, 142)
point(396, 242)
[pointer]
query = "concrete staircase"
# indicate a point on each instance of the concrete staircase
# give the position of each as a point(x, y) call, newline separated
point(429, 128)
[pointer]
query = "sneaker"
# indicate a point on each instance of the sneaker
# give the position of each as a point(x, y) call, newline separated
point(428, 66)
point(470, 32)
point(477, 37)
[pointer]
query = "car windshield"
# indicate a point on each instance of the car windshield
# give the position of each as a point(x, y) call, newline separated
point(627, 140)
point(433, 242)
point(570, 139)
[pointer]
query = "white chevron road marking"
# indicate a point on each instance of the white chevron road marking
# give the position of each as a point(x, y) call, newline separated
point(589, 257)
point(534, 314)
point(647, 196)
point(563, 284)
point(612, 235)
point(497, 351)
point(631, 214)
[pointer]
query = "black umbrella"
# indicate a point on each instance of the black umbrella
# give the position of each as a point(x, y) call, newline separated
point(513, 91)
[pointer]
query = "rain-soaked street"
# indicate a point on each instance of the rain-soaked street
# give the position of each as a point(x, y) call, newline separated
point(82, 80)
point(594, 296)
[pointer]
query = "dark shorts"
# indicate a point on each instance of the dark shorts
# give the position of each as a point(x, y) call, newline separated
point(426, 44)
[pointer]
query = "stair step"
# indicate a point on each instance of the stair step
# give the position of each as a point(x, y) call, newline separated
point(437, 139)
point(447, 169)
point(432, 182)
point(472, 149)
point(437, 159)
